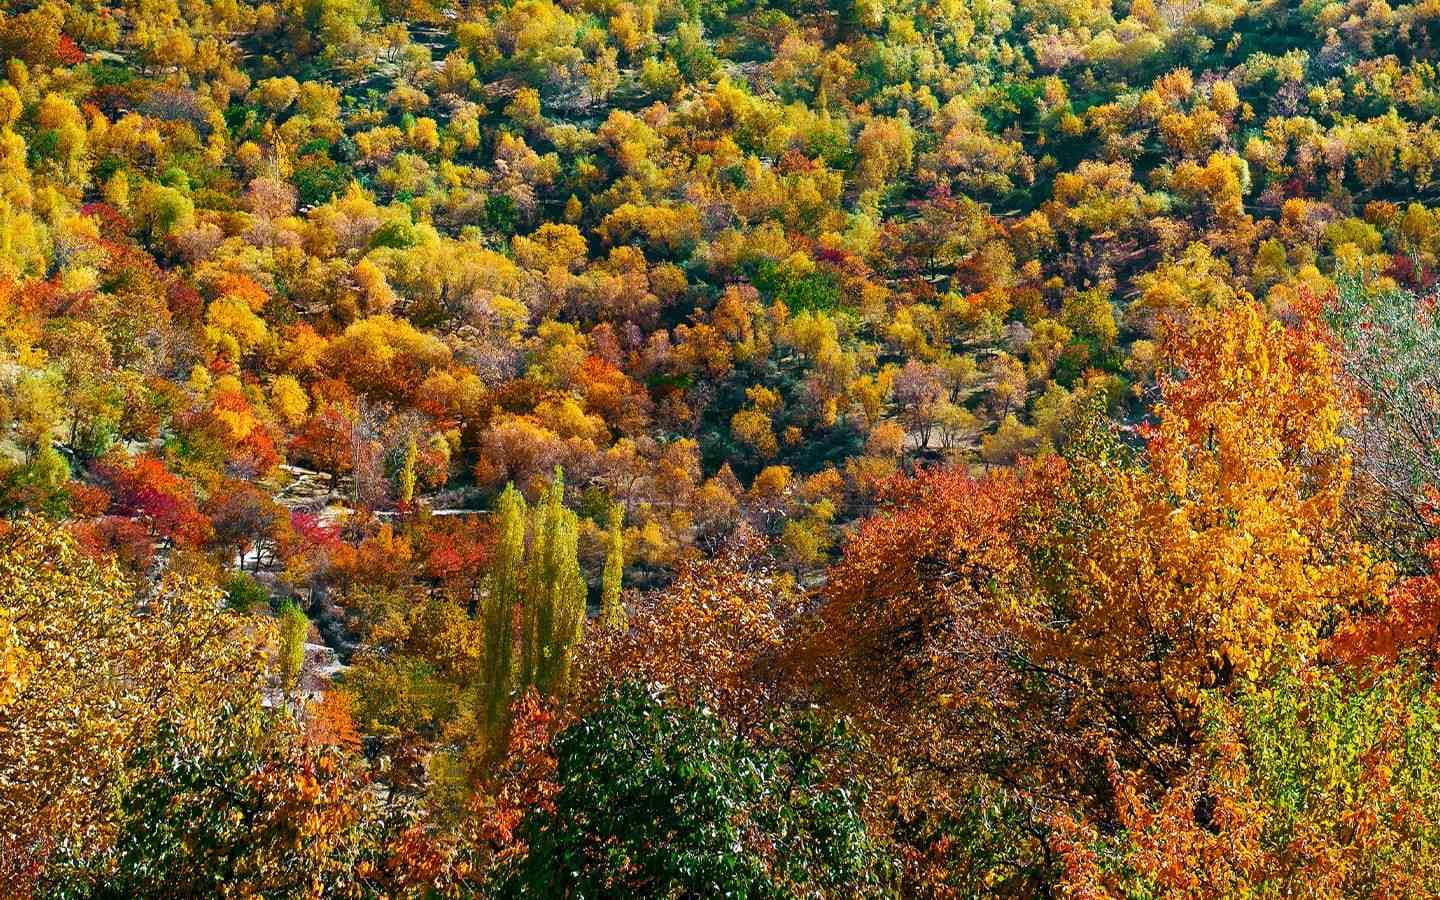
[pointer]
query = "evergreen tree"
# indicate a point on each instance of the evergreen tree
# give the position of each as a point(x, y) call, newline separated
point(612, 612)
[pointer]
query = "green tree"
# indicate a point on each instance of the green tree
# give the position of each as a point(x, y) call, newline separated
point(554, 594)
point(244, 593)
point(499, 610)
point(664, 800)
point(293, 627)
point(545, 588)
point(612, 612)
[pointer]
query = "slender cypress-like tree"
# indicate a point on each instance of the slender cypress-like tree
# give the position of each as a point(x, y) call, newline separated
point(499, 609)
point(532, 616)
point(569, 594)
point(407, 473)
point(293, 627)
point(554, 595)
point(612, 612)
point(544, 584)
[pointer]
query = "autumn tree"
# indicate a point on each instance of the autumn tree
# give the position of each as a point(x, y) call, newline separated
point(105, 665)
point(243, 517)
point(1217, 555)
point(1114, 589)
point(293, 629)
point(612, 612)
point(553, 614)
point(145, 489)
point(406, 476)
point(458, 551)
point(246, 804)
point(327, 441)
point(1319, 783)
point(707, 635)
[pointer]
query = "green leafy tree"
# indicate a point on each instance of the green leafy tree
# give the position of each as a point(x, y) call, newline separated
point(554, 614)
point(244, 593)
point(499, 610)
point(544, 588)
point(663, 800)
point(612, 612)
point(293, 627)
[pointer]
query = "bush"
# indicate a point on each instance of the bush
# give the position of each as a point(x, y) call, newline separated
point(243, 592)
point(501, 213)
point(396, 234)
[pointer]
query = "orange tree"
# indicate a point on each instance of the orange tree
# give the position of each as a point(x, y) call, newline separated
point(707, 637)
point(1319, 784)
point(1195, 564)
point(1020, 633)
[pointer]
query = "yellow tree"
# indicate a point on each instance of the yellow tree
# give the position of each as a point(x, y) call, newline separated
point(104, 666)
point(1214, 556)
point(612, 611)
point(1016, 636)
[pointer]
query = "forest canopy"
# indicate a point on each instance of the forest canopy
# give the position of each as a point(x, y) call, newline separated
point(760, 448)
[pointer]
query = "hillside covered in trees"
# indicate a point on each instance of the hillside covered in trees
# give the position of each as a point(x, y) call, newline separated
point(698, 448)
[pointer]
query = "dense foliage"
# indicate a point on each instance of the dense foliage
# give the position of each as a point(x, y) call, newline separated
point(656, 800)
point(926, 448)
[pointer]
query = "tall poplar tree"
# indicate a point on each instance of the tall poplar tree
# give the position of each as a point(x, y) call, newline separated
point(612, 612)
point(293, 628)
point(499, 610)
point(544, 584)
point(407, 473)
point(554, 595)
